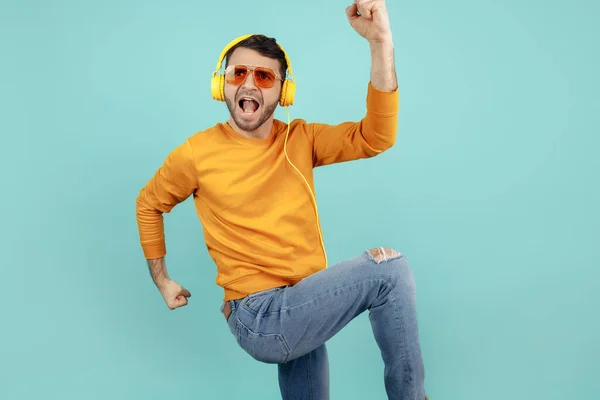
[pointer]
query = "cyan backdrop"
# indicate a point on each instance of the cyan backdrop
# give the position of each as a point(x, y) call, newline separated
point(492, 192)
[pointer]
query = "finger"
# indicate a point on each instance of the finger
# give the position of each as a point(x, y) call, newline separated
point(364, 12)
point(182, 301)
point(351, 12)
point(177, 302)
point(368, 8)
point(186, 292)
point(364, 9)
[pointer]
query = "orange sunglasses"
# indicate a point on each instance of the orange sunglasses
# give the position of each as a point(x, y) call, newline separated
point(263, 77)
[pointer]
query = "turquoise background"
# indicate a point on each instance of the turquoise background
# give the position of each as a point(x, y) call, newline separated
point(491, 192)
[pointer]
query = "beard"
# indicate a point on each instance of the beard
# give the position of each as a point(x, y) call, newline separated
point(265, 113)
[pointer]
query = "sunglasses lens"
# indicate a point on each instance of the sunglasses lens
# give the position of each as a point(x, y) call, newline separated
point(236, 75)
point(263, 77)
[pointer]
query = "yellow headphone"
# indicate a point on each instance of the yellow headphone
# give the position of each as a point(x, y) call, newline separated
point(217, 86)
point(288, 91)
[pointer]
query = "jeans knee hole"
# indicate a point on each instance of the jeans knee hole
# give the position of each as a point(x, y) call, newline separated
point(382, 254)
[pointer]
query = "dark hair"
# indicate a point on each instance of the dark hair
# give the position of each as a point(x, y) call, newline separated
point(264, 45)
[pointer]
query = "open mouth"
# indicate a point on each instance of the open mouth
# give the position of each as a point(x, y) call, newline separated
point(248, 106)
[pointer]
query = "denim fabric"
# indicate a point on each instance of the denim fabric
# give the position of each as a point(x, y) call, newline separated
point(290, 325)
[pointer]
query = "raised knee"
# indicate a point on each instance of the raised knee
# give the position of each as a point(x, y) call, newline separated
point(381, 254)
point(401, 274)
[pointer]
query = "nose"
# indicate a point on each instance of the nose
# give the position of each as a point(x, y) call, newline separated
point(249, 81)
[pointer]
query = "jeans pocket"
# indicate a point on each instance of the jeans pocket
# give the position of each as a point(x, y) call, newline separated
point(269, 348)
point(255, 301)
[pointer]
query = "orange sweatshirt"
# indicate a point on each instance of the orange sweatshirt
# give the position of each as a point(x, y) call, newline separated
point(260, 224)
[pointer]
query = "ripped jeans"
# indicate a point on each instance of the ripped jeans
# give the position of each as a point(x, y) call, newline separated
point(289, 326)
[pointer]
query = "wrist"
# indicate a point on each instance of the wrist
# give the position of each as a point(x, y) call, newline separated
point(161, 282)
point(382, 40)
point(381, 45)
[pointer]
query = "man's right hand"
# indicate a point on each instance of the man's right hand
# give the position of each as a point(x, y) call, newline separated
point(174, 294)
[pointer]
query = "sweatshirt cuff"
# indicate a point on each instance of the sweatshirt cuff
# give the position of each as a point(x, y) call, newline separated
point(382, 102)
point(154, 250)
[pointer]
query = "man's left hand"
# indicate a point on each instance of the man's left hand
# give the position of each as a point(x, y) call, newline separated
point(370, 19)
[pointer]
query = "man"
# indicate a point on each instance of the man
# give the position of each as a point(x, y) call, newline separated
point(252, 184)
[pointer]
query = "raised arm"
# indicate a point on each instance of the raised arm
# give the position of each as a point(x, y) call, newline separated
point(371, 20)
point(376, 131)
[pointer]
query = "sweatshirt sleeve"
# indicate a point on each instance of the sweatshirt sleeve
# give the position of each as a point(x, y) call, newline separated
point(172, 183)
point(372, 135)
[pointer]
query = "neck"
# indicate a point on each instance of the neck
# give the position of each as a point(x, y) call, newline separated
point(262, 132)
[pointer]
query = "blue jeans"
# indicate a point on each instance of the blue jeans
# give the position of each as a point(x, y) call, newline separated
point(290, 325)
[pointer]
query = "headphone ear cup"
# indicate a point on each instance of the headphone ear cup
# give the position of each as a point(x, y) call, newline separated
point(288, 92)
point(283, 92)
point(217, 87)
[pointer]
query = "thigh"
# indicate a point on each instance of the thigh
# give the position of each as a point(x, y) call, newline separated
point(322, 304)
point(281, 324)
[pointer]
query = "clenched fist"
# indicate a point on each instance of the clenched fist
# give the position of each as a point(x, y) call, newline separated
point(370, 19)
point(174, 294)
